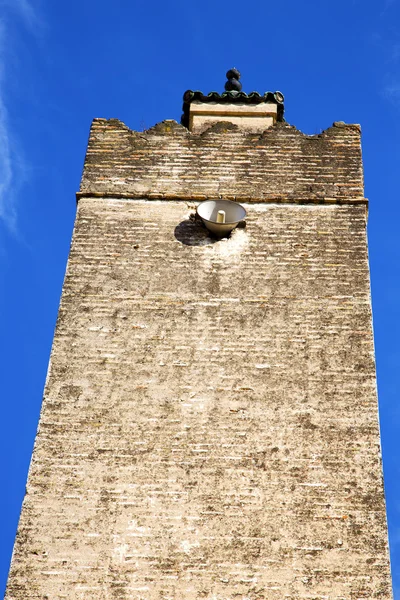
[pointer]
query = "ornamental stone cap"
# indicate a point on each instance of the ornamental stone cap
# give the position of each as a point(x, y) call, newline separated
point(254, 112)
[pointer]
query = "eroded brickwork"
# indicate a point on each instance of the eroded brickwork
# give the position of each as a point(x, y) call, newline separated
point(209, 427)
point(168, 161)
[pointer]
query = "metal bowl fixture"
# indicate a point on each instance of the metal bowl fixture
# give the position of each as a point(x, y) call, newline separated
point(221, 216)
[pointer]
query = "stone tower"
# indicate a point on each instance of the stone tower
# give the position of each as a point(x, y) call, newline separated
point(209, 427)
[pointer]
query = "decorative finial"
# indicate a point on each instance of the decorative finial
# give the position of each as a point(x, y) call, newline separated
point(233, 84)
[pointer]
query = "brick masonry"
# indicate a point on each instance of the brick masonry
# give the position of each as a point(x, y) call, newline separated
point(281, 164)
point(209, 425)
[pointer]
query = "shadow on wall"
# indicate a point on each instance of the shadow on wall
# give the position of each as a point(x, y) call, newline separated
point(192, 232)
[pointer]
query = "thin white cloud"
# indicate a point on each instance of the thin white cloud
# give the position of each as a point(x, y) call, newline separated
point(391, 80)
point(25, 11)
point(7, 194)
point(28, 14)
point(395, 52)
point(387, 43)
point(387, 4)
point(392, 92)
point(11, 158)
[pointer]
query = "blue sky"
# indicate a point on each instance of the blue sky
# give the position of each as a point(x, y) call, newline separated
point(64, 63)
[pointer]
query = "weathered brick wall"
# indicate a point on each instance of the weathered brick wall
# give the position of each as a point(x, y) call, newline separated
point(168, 161)
point(209, 427)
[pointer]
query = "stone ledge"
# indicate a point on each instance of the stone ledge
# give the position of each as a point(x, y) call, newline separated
point(236, 198)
